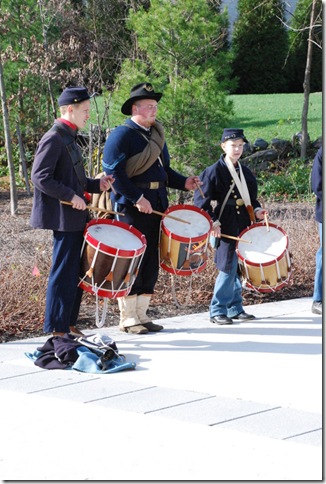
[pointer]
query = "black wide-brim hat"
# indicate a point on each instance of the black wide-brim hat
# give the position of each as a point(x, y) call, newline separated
point(233, 133)
point(143, 90)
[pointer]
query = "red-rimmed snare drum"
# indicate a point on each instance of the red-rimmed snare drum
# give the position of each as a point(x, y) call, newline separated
point(265, 262)
point(111, 254)
point(183, 246)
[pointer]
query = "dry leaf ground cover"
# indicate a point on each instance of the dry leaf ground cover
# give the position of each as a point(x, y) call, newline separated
point(25, 260)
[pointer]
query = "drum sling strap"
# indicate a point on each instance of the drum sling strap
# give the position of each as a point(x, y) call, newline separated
point(75, 155)
point(139, 163)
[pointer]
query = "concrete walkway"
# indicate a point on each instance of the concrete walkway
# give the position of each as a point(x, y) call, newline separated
point(205, 402)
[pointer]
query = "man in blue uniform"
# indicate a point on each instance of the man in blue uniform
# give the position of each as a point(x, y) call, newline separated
point(58, 175)
point(137, 156)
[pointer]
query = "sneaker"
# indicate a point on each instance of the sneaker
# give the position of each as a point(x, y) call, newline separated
point(317, 307)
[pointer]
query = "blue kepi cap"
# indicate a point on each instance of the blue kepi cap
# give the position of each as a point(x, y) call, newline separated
point(73, 95)
point(233, 133)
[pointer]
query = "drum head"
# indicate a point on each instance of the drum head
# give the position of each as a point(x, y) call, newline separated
point(115, 237)
point(198, 223)
point(265, 245)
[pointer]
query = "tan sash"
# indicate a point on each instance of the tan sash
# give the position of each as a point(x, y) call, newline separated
point(242, 187)
point(139, 163)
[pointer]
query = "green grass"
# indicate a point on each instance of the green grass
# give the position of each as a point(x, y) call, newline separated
point(271, 116)
point(264, 116)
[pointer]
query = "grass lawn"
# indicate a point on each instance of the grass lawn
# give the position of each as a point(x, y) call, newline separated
point(264, 116)
point(271, 116)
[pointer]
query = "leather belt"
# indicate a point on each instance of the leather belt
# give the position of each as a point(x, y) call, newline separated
point(154, 185)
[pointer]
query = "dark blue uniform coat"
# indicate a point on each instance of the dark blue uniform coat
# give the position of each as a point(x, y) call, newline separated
point(216, 184)
point(123, 143)
point(54, 179)
point(317, 183)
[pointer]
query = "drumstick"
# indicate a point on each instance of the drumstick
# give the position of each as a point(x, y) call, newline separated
point(200, 190)
point(171, 216)
point(111, 186)
point(235, 238)
point(96, 209)
point(266, 221)
point(265, 215)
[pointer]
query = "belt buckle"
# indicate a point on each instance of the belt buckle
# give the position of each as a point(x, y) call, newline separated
point(154, 185)
point(239, 202)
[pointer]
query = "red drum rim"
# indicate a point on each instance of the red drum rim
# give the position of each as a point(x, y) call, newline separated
point(262, 264)
point(183, 272)
point(102, 292)
point(181, 238)
point(279, 286)
point(106, 249)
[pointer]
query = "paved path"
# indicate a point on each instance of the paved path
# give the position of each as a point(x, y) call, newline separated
point(205, 402)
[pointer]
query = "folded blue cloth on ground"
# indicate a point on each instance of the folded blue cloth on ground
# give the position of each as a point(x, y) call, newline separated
point(87, 362)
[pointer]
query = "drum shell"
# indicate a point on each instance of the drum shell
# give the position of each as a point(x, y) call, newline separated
point(266, 276)
point(122, 264)
point(184, 255)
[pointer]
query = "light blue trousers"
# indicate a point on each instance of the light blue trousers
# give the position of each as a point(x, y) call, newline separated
point(227, 296)
point(318, 287)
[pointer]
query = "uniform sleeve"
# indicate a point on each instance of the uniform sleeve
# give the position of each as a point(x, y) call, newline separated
point(115, 156)
point(317, 174)
point(44, 167)
point(208, 188)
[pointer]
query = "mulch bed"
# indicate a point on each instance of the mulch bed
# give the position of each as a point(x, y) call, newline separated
point(23, 249)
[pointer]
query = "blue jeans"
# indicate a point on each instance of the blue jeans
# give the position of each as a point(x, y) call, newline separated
point(227, 296)
point(318, 287)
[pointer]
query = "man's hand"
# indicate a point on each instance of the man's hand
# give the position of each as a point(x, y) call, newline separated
point(144, 205)
point(192, 183)
point(106, 182)
point(78, 203)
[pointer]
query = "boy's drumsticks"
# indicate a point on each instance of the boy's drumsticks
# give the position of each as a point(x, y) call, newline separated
point(96, 209)
point(265, 216)
point(235, 238)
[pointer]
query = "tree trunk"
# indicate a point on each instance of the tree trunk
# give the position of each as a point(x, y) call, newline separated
point(6, 129)
point(23, 159)
point(306, 85)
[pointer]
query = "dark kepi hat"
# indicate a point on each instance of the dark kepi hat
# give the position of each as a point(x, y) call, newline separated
point(233, 133)
point(143, 90)
point(73, 95)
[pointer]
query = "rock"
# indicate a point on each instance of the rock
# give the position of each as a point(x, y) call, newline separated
point(260, 144)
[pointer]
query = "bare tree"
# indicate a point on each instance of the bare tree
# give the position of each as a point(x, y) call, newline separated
point(306, 82)
point(6, 128)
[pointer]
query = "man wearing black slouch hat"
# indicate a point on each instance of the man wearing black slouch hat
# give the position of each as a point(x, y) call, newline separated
point(137, 156)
